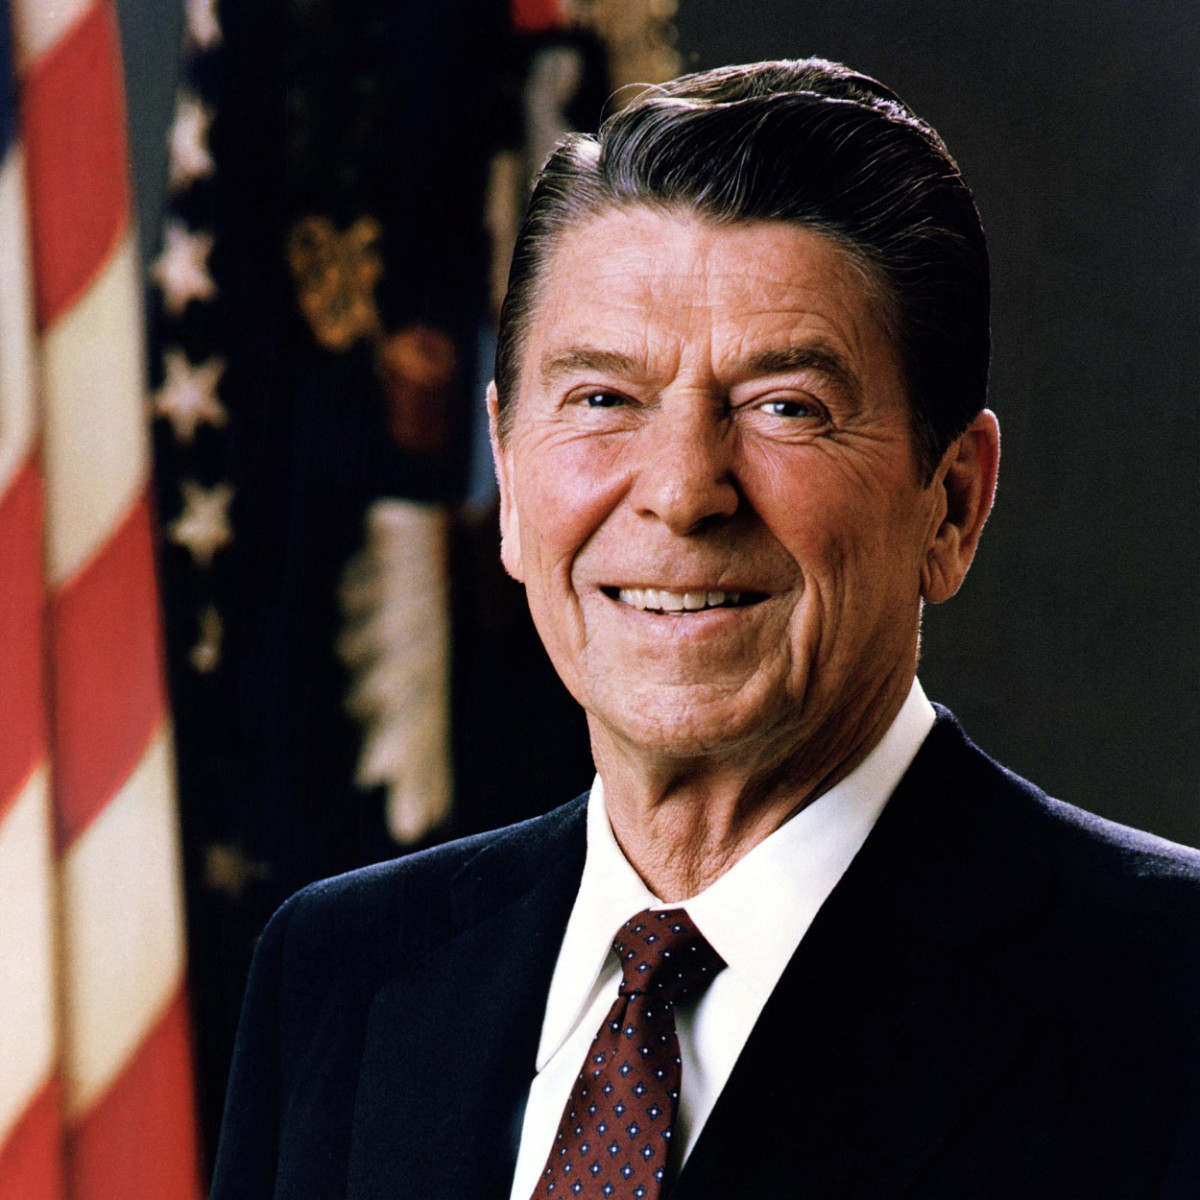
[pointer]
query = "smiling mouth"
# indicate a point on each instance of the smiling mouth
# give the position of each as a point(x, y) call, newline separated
point(661, 601)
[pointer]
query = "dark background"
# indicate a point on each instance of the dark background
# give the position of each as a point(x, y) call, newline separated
point(1072, 653)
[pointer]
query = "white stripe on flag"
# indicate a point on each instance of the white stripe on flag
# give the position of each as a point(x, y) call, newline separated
point(37, 26)
point(96, 451)
point(18, 422)
point(123, 908)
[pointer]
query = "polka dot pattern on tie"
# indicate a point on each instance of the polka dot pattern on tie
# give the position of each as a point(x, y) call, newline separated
point(615, 1134)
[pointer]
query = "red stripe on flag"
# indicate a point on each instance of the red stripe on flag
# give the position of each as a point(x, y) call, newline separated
point(139, 1141)
point(73, 112)
point(31, 1159)
point(107, 673)
point(22, 599)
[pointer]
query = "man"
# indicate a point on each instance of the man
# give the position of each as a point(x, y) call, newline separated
point(803, 938)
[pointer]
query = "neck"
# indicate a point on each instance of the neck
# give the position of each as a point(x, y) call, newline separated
point(683, 821)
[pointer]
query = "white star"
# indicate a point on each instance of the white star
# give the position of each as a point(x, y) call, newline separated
point(188, 142)
point(203, 526)
point(188, 396)
point(206, 653)
point(181, 270)
point(202, 23)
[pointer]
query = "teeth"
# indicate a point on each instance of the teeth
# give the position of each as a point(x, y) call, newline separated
point(660, 600)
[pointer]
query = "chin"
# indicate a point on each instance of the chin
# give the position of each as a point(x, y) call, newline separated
point(682, 727)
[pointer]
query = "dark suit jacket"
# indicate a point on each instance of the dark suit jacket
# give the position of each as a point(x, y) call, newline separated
point(1000, 998)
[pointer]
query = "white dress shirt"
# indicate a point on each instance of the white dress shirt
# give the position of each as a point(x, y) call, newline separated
point(754, 916)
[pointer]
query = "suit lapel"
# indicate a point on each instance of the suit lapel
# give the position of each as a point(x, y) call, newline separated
point(884, 1032)
point(451, 1041)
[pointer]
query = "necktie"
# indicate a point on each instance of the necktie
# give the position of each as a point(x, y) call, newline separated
point(615, 1132)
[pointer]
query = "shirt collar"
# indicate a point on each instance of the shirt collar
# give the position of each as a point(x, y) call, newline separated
point(753, 915)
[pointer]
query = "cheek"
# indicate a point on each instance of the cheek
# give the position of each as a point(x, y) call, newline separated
point(848, 525)
point(808, 504)
point(567, 489)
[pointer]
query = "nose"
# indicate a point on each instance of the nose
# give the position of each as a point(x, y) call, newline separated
point(684, 470)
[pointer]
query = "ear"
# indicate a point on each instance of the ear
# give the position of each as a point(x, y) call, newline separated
point(510, 525)
point(967, 479)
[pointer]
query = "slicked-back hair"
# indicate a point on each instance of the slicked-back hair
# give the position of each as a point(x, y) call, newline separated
point(813, 144)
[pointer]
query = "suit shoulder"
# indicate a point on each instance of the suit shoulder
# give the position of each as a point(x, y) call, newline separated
point(1129, 884)
point(1123, 851)
point(1131, 889)
point(1120, 850)
point(369, 910)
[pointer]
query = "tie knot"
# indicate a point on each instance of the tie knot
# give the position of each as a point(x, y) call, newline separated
point(664, 955)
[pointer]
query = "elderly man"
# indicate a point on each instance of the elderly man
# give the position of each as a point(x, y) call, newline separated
point(802, 938)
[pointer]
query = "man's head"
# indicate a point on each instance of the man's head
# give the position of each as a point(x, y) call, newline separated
point(704, 419)
point(810, 143)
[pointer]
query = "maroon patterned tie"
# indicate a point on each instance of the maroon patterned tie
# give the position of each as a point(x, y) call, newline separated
point(615, 1131)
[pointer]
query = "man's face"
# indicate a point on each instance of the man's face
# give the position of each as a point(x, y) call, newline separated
point(709, 488)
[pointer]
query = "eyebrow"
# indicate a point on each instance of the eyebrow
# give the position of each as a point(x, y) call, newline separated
point(806, 358)
point(586, 358)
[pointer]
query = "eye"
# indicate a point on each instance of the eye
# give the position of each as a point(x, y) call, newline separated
point(599, 408)
point(791, 414)
point(603, 399)
point(790, 408)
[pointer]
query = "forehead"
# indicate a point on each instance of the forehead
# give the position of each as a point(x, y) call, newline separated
point(644, 282)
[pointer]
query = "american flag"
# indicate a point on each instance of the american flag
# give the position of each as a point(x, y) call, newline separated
point(95, 1089)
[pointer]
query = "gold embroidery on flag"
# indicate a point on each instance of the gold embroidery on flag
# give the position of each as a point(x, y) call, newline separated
point(335, 275)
